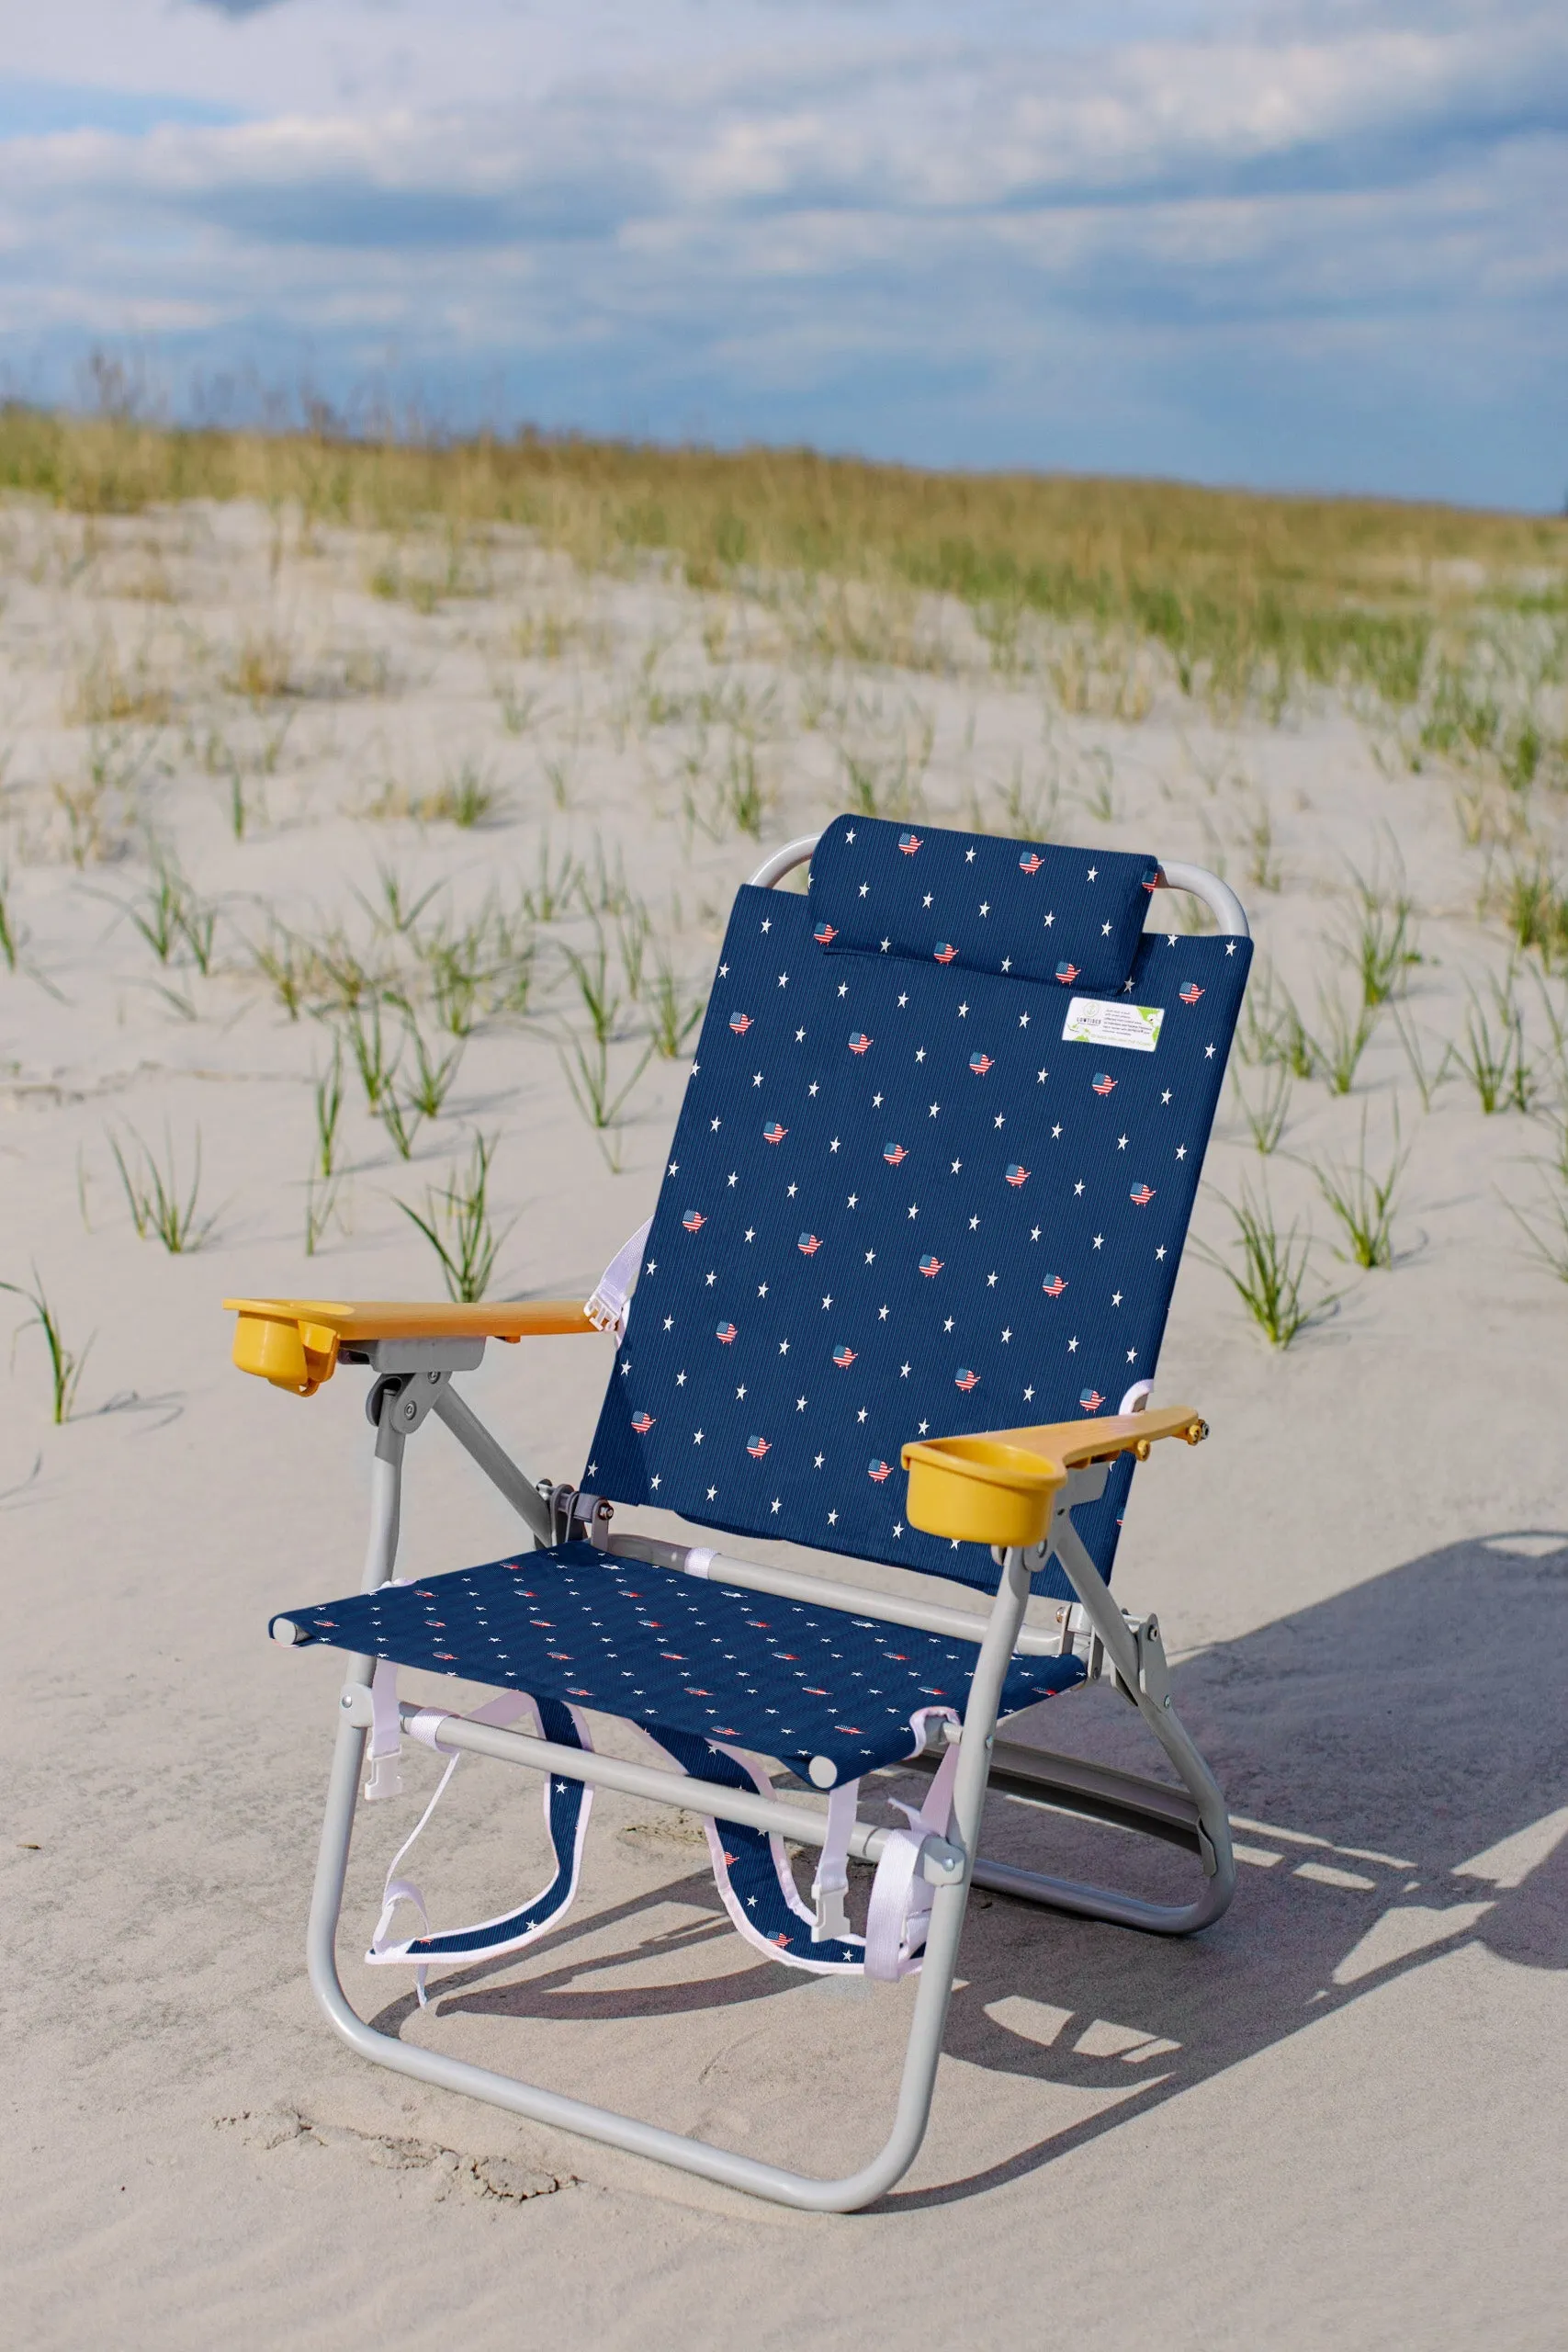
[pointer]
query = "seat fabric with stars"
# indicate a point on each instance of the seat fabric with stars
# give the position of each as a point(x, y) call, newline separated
point(936, 1215)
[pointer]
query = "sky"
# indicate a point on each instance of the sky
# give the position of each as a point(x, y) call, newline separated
point(1299, 245)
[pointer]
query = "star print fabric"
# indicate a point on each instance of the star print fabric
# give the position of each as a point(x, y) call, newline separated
point(659, 1648)
point(978, 904)
point(899, 1204)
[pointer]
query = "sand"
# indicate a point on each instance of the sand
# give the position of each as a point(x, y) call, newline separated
point(1336, 2116)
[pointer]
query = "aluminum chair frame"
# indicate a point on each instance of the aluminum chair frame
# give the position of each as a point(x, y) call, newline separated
point(414, 1382)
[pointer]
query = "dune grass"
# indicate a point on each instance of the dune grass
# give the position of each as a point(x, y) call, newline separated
point(1244, 592)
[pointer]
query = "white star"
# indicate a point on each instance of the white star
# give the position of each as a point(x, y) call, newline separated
point(927, 900)
point(1132, 1355)
point(812, 1088)
point(1170, 939)
point(1165, 1096)
point(680, 1380)
point(902, 1002)
point(850, 834)
point(1159, 1253)
point(920, 1054)
point(1115, 1298)
point(1072, 1346)
point(914, 1208)
point(669, 1322)
point(935, 1108)
point(767, 924)
point(829, 1300)
point(800, 1037)
point(1079, 1186)
point(817, 1464)
point(1098, 1240)
point(843, 988)
point(925, 1425)
point(1006, 1336)
point(973, 1225)
point(946, 1327)
point(1120, 1143)
point(886, 946)
point(956, 1166)
point(1049, 920)
point(870, 1257)
point(881, 1315)
point(724, 971)
point(865, 889)
point(740, 1392)
point(762, 1290)
point(834, 1145)
point(999, 1118)
point(1023, 1020)
point(876, 1101)
point(1230, 947)
point(903, 1372)
point(1034, 1233)
point(800, 1404)
point(1105, 930)
point(750, 1233)
point(964, 1013)
point(783, 1346)
point(792, 1189)
point(674, 1167)
point(984, 906)
point(860, 1415)
point(832, 1518)
point(990, 1281)
point(1181, 1151)
point(711, 1279)
point(696, 1437)
point(713, 1127)
point(1208, 1053)
point(653, 1482)
point(1092, 872)
point(758, 1080)
point(775, 1504)
point(853, 1199)
point(1007, 963)
point(1027, 1394)
point(783, 979)
point(713, 1493)
point(897, 1527)
point(1054, 1134)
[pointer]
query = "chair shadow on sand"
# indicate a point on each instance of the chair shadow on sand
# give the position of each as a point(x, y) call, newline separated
point(1396, 1763)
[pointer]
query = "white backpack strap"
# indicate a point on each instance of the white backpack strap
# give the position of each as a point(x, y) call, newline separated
point(831, 1883)
point(899, 1911)
point(606, 1305)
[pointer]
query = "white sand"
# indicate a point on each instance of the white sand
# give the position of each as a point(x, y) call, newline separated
point(1337, 2117)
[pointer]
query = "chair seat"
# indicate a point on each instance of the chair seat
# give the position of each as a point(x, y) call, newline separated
point(675, 1652)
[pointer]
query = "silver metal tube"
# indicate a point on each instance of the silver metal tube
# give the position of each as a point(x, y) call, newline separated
point(832, 1592)
point(781, 1819)
point(494, 1461)
point(386, 1510)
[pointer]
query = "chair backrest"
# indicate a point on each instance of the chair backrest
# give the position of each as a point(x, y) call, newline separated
point(925, 1179)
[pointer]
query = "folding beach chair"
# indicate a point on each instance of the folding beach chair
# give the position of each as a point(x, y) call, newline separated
point(901, 1298)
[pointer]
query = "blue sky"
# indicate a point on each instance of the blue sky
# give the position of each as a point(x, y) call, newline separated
point(1316, 245)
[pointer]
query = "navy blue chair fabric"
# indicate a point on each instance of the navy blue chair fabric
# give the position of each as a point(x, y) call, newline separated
point(901, 1202)
point(979, 904)
point(677, 1655)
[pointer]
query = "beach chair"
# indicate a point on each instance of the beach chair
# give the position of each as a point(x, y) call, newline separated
point(900, 1298)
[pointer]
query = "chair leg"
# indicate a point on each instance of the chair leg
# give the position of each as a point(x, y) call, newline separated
point(733, 2171)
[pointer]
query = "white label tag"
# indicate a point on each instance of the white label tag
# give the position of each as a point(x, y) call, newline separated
point(1092, 1021)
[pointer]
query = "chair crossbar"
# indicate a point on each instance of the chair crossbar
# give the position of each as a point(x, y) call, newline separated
point(942, 1863)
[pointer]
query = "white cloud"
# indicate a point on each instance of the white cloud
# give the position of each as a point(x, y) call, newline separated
point(1126, 252)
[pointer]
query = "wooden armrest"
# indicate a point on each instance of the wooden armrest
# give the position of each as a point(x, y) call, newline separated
point(1000, 1486)
point(294, 1342)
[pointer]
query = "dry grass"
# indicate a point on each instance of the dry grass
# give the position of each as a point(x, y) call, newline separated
point(1244, 594)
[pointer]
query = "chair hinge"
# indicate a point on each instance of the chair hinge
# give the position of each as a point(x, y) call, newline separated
point(576, 1517)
